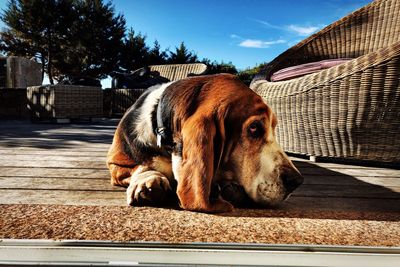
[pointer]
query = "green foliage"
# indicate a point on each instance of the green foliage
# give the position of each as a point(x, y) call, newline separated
point(215, 67)
point(247, 75)
point(182, 55)
point(156, 56)
point(93, 42)
point(69, 37)
point(134, 52)
point(35, 29)
point(78, 38)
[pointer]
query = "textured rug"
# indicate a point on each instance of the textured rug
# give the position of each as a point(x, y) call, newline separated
point(176, 226)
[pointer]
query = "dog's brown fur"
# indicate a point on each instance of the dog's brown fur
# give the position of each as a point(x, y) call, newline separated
point(211, 115)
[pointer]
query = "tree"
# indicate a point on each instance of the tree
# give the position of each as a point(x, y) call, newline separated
point(156, 56)
point(35, 28)
point(215, 67)
point(93, 44)
point(182, 55)
point(248, 74)
point(68, 37)
point(134, 52)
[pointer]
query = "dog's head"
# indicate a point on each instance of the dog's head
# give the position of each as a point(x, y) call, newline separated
point(231, 135)
point(255, 159)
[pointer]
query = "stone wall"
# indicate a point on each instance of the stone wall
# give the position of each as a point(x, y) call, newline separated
point(22, 72)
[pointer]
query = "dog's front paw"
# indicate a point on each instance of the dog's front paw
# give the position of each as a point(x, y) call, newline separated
point(147, 188)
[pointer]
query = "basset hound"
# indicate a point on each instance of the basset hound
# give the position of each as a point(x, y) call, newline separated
point(189, 136)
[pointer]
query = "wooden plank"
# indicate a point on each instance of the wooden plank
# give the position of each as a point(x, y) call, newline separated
point(57, 158)
point(342, 204)
point(23, 127)
point(41, 173)
point(53, 164)
point(350, 172)
point(115, 198)
point(353, 180)
point(52, 151)
point(34, 183)
point(354, 191)
point(81, 173)
point(57, 152)
point(300, 164)
point(71, 184)
point(93, 198)
point(40, 143)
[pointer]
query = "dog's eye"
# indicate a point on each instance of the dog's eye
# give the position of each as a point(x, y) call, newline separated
point(256, 129)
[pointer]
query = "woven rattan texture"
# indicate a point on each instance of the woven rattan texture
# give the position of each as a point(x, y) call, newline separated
point(175, 72)
point(351, 110)
point(65, 101)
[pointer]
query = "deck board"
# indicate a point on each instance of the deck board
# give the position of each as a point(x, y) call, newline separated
point(65, 164)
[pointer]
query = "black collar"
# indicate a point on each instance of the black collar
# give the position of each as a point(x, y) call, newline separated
point(164, 122)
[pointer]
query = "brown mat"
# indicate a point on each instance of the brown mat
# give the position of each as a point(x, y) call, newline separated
point(176, 226)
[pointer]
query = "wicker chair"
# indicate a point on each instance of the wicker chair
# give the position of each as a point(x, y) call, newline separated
point(348, 111)
point(121, 99)
point(174, 72)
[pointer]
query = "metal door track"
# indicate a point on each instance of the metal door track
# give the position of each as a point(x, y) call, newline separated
point(104, 253)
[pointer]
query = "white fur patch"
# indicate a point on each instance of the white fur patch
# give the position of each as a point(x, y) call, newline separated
point(143, 125)
point(176, 163)
point(267, 186)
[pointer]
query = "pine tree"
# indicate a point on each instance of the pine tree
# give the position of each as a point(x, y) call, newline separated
point(156, 56)
point(182, 55)
point(69, 37)
point(215, 67)
point(34, 29)
point(94, 42)
point(135, 52)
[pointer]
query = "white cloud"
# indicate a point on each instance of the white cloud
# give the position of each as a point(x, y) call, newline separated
point(251, 43)
point(235, 36)
point(298, 29)
point(303, 31)
point(267, 24)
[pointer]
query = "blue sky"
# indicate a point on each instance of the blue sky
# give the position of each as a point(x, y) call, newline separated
point(245, 33)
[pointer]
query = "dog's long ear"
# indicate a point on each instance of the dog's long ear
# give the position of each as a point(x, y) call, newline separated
point(203, 140)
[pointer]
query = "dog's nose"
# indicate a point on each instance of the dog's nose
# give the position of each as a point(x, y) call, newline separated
point(291, 179)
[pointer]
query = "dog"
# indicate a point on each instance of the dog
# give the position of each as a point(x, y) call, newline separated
point(190, 135)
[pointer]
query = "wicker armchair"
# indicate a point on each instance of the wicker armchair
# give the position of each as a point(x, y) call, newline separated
point(348, 111)
point(174, 72)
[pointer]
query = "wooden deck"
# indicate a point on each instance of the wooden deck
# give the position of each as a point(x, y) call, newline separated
point(65, 165)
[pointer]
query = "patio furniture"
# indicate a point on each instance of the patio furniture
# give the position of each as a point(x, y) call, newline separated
point(174, 72)
point(65, 102)
point(123, 98)
point(348, 111)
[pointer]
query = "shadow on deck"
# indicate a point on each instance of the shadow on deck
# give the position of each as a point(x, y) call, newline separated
point(54, 184)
